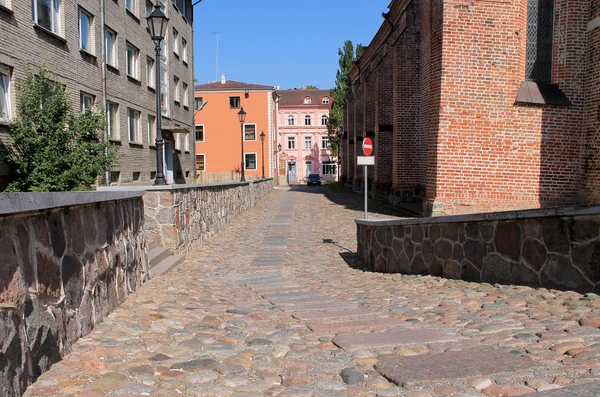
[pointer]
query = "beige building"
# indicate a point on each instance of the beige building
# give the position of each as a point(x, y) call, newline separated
point(88, 43)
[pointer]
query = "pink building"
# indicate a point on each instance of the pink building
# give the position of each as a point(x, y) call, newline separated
point(302, 133)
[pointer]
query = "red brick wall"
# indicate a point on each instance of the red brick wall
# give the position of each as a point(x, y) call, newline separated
point(384, 119)
point(360, 126)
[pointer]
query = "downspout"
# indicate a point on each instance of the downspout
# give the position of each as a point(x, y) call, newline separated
point(104, 101)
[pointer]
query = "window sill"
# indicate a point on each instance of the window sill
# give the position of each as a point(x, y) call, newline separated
point(134, 80)
point(6, 9)
point(50, 33)
point(176, 54)
point(151, 88)
point(185, 63)
point(136, 144)
point(177, 103)
point(87, 53)
point(186, 107)
point(132, 15)
point(112, 68)
point(115, 140)
point(5, 122)
point(534, 93)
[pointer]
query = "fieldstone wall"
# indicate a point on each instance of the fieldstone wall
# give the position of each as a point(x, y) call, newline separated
point(66, 261)
point(554, 248)
point(180, 217)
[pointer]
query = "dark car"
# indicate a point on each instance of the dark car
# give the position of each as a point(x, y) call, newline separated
point(313, 179)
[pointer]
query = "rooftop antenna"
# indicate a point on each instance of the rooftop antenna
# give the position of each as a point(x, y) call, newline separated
point(217, 64)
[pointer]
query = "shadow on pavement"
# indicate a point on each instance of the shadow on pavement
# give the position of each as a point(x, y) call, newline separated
point(353, 201)
point(349, 256)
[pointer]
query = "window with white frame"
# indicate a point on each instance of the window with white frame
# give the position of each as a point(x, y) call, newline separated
point(307, 100)
point(307, 120)
point(184, 56)
point(198, 103)
point(151, 130)
point(149, 8)
point(86, 101)
point(112, 115)
point(329, 169)
point(110, 40)
point(186, 101)
point(199, 132)
point(5, 102)
point(175, 41)
point(133, 125)
point(250, 161)
point(325, 100)
point(150, 72)
point(249, 132)
point(324, 120)
point(130, 5)
point(164, 91)
point(291, 142)
point(133, 64)
point(46, 13)
point(291, 120)
point(86, 23)
point(325, 142)
point(308, 142)
point(200, 162)
point(177, 85)
point(4, 3)
point(186, 140)
point(308, 170)
point(177, 141)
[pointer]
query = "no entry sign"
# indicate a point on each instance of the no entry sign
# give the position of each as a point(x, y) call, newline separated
point(368, 146)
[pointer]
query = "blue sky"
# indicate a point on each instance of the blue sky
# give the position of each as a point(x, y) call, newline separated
point(280, 42)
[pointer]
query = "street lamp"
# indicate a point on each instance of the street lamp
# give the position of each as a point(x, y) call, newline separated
point(242, 117)
point(262, 143)
point(157, 23)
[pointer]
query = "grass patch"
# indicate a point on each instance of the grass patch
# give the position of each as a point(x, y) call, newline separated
point(336, 187)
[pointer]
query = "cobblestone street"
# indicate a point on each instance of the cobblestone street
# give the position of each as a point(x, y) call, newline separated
point(276, 305)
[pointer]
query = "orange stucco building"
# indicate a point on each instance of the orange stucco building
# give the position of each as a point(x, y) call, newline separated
point(219, 132)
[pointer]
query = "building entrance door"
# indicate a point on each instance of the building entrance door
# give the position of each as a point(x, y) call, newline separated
point(292, 172)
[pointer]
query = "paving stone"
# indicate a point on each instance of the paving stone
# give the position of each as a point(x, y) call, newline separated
point(314, 315)
point(583, 390)
point(479, 361)
point(357, 325)
point(394, 338)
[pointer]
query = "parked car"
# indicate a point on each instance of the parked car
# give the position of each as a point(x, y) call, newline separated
point(313, 179)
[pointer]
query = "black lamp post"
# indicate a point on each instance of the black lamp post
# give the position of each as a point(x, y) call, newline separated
point(262, 143)
point(242, 117)
point(157, 23)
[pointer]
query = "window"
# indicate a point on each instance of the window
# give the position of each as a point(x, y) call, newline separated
point(164, 91)
point(186, 140)
point(325, 100)
point(5, 105)
point(250, 161)
point(324, 120)
point(177, 142)
point(175, 42)
point(177, 89)
point(291, 142)
point(46, 13)
point(86, 101)
point(307, 120)
point(115, 176)
point(329, 169)
point(307, 100)
point(112, 114)
point(199, 133)
point(198, 103)
point(291, 120)
point(86, 22)
point(308, 168)
point(325, 142)
point(164, 54)
point(110, 39)
point(184, 50)
point(540, 28)
point(200, 162)
point(234, 102)
point(249, 132)
point(149, 8)
point(151, 130)
point(308, 142)
point(186, 101)
point(130, 6)
point(150, 72)
point(133, 125)
point(133, 66)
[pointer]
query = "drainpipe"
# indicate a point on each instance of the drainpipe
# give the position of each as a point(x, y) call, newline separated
point(104, 103)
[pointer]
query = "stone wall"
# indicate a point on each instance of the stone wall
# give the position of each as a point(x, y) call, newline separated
point(180, 217)
point(554, 248)
point(66, 261)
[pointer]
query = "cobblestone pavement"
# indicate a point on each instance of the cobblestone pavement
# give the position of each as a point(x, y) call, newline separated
point(276, 306)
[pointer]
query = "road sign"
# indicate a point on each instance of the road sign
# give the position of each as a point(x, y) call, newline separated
point(368, 146)
point(365, 160)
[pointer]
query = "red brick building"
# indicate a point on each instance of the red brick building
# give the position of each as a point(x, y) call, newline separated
point(479, 106)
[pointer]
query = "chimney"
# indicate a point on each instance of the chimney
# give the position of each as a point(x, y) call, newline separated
point(223, 79)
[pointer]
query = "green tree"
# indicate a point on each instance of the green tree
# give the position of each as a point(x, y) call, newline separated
point(335, 127)
point(311, 87)
point(50, 147)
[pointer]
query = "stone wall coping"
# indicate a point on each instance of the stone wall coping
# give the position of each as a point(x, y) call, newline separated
point(143, 188)
point(568, 210)
point(12, 203)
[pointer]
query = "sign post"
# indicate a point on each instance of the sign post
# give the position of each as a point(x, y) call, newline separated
point(367, 147)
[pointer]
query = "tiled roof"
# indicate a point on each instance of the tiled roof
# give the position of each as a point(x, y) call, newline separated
point(230, 85)
point(296, 97)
